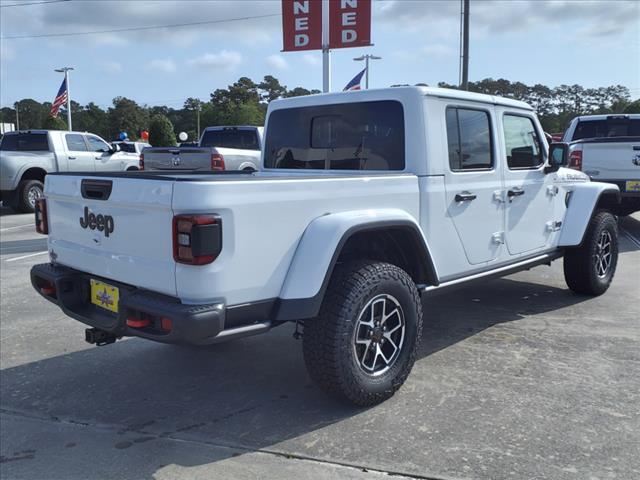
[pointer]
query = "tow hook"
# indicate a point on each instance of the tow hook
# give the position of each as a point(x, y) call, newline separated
point(98, 337)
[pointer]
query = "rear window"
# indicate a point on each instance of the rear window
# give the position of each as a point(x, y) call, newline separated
point(611, 127)
point(231, 138)
point(352, 136)
point(25, 142)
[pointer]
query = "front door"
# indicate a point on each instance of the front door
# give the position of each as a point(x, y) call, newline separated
point(528, 191)
point(103, 158)
point(473, 182)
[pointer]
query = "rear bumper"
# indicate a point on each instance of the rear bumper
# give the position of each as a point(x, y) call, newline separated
point(191, 324)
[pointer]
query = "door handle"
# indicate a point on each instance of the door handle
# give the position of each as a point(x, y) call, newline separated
point(464, 197)
point(97, 158)
point(72, 158)
point(516, 192)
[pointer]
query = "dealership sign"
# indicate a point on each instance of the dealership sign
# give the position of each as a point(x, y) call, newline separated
point(349, 24)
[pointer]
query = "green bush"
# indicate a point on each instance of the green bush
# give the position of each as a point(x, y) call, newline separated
point(161, 132)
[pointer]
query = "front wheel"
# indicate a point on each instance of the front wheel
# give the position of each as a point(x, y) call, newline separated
point(363, 345)
point(589, 268)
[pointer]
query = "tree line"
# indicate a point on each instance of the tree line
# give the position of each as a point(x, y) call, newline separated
point(245, 103)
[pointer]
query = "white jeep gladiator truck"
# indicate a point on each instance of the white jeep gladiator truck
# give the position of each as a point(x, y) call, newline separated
point(607, 148)
point(27, 156)
point(364, 203)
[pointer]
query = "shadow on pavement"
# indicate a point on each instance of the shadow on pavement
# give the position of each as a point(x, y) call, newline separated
point(24, 246)
point(252, 393)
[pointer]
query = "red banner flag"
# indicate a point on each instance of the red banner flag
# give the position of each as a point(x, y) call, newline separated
point(301, 25)
point(349, 23)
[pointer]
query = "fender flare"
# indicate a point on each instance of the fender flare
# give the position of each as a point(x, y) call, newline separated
point(319, 249)
point(582, 204)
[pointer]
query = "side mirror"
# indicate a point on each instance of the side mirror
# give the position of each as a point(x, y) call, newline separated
point(558, 157)
point(114, 148)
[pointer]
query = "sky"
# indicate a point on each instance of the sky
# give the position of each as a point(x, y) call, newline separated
point(591, 43)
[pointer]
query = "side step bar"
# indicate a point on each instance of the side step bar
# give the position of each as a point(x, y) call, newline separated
point(445, 287)
point(239, 332)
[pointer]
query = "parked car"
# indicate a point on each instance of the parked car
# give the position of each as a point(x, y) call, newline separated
point(607, 148)
point(26, 157)
point(134, 148)
point(365, 203)
point(220, 148)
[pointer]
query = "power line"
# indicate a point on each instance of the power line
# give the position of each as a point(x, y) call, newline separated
point(33, 3)
point(131, 29)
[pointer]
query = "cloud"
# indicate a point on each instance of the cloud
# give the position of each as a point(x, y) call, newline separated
point(277, 62)
point(498, 16)
point(225, 60)
point(312, 60)
point(162, 65)
point(108, 66)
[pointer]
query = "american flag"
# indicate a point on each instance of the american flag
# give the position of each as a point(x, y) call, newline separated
point(354, 84)
point(61, 99)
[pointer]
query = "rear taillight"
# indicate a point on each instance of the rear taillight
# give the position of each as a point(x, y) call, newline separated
point(217, 161)
point(42, 223)
point(197, 239)
point(141, 163)
point(575, 160)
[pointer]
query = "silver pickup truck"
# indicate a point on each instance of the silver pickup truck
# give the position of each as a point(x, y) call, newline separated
point(219, 148)
point(26, 157)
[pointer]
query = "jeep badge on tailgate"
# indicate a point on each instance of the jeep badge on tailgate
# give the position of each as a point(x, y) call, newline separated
point(101, 222)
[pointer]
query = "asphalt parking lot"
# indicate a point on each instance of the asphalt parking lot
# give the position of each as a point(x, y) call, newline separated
point(517, 378)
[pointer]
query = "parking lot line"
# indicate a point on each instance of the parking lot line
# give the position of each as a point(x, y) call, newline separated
point(633, 239)
point(16, 227)
point(15, 259)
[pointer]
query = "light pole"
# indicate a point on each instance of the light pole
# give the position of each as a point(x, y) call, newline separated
point(65, 70)
point(366, 58)
point(17, 105)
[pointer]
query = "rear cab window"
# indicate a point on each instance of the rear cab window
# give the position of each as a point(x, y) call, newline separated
point(25, 142)
point(240, 138)
point(613, 126)
point(351, 136)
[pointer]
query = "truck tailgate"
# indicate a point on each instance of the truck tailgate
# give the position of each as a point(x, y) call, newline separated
point(131, 243)
point(611, 160)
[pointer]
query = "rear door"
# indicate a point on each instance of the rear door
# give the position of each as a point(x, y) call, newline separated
point(529, 192)
point(473, 180)
point(138, 249)
point(80, 159)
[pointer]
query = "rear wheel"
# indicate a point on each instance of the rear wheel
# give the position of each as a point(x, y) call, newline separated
point(363, 345)
point(590, 268)
point(30, 192)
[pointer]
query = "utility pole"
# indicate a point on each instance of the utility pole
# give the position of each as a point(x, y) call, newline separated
point(65, 70)
point(198, 117)
point(366, 58)
point(326, 53)
point(17, 105)
point(465, 46)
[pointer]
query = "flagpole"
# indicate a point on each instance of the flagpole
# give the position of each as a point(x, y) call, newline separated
point(326, 53)
point(65, 70)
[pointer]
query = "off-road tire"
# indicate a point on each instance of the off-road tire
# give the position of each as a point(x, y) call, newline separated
point(25, 204)
point(580, 269)
point(328, 348)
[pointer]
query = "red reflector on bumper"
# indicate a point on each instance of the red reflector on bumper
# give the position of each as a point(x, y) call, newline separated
point(48, 290)
point(138, 323)
point(166, 324)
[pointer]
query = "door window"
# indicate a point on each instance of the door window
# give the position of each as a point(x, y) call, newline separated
point(75, 142)
point(97, 145)
point(522, 143)
point(469, 139)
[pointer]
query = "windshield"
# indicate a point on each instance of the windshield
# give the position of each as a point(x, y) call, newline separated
point(25, 142)
point(231, 138)
point(611, 127)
